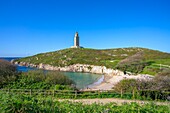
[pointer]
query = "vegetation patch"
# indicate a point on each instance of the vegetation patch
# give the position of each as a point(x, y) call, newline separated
point(126, 59)
point(157, 88)
point(26, 104)
point(8, 73)
point(36, 79)
point(39, 79)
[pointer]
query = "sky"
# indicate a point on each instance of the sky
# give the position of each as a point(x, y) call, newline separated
point(29, 27)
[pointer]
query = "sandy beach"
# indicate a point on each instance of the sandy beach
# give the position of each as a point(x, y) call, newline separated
point(109, 81)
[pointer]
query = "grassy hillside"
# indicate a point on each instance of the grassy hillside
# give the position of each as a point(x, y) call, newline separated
point(111, 58)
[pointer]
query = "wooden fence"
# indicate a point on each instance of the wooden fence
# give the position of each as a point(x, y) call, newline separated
point(144, 94)
point(55, 92)
point(161, 65)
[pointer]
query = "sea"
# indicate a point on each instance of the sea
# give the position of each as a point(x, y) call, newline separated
point(19, 68)
point(82, 80)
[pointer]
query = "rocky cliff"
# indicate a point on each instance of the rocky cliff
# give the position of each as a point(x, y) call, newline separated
point(74, 68)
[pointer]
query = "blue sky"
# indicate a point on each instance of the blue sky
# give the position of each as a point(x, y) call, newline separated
point(28, 27)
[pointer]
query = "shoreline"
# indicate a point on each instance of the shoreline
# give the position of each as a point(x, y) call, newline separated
point(109, 81)
point(97, 82)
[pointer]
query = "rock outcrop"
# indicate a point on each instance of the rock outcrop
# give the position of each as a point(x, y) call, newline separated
point(74, 68)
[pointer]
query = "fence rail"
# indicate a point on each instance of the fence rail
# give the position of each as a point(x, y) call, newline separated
point(144, 94)
point(162, 65)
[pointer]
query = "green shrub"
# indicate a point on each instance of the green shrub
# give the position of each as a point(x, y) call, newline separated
point(126, 85)
point(162, 81)
point(8, 73)
point(54, 77)
point(157, 88)
point(39, 79)
point(34, 75)
point(63, 87)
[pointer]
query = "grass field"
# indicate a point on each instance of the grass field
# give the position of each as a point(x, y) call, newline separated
point(111, 58)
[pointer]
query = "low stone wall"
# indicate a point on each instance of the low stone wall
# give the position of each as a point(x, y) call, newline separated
point(75, 68)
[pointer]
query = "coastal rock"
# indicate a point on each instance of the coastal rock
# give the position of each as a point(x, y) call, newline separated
point(75, 68)
point(48, 67)
point(16, 63)
point(41, 66)
point(97, 69)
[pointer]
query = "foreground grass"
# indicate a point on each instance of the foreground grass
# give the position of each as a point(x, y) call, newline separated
point(26, 104)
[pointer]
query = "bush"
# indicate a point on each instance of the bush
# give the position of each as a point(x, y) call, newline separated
point(8, 73)
point(143, 89)
point(126, 85)
point(38, 79)
point(54, 77)
point(63, 87)
point(162, 81)
point(35, 75)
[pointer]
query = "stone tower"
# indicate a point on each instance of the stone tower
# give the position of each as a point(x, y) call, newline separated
point(76, 41)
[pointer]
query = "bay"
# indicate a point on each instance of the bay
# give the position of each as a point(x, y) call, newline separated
point(82, 80)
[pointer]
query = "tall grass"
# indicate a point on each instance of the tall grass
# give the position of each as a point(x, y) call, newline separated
point(25, 104)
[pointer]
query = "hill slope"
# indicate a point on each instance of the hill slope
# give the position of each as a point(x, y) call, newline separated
point(120, 58)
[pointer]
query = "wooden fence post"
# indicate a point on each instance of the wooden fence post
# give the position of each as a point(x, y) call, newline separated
point(137, 94)
point(121, 92)
point(156, 96)
point(133, 94)
point(98, 93)
point(30, 92)
point(53, 93)
point(8, 90)
point(75, 93)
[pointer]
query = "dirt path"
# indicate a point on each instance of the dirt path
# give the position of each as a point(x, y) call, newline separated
point(109, 100)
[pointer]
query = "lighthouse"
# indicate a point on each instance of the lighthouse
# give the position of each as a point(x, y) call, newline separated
point(76, 41)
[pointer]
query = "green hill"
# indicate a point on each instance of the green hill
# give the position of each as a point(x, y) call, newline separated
point(125, 59)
